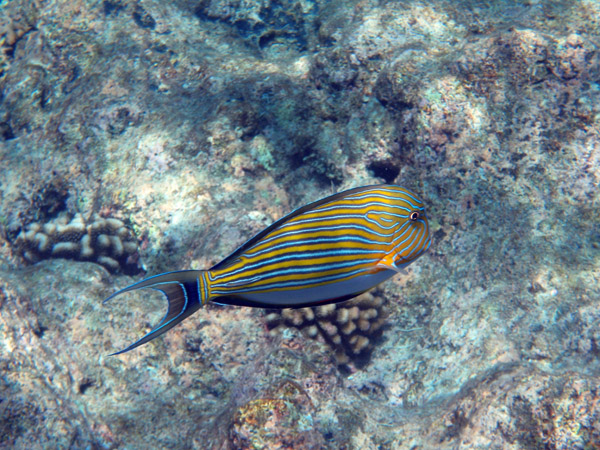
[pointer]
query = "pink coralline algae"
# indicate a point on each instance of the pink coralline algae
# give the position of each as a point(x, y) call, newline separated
point(281, 421)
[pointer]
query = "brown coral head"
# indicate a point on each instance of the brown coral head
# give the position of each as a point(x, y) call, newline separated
point(350, 328)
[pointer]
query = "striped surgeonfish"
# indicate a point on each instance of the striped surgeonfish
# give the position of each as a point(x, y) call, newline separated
point(327, 251)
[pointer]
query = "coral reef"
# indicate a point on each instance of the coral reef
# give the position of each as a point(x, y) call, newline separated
point(350, 328)
point(106, 241)
point(200, 122)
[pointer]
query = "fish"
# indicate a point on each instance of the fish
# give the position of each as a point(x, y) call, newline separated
point(327, 251)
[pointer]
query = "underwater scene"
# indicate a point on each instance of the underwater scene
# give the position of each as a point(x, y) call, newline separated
point(379, 219)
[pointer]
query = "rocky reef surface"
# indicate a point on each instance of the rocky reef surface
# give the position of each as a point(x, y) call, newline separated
point(197, 123)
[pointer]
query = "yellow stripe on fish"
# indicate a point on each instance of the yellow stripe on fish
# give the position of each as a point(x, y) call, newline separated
point(327, 251)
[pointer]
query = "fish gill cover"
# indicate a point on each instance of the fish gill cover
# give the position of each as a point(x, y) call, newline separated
point(197, 124)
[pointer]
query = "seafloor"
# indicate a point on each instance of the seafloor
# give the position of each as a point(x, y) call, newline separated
point(186, 126)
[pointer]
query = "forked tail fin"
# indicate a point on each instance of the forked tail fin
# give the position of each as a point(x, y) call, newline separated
point(186, 292)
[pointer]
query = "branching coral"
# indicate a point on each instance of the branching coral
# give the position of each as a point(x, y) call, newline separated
point(349, 328)
point(105, 241)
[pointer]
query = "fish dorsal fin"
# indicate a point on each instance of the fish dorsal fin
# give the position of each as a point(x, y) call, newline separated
point(235, 256)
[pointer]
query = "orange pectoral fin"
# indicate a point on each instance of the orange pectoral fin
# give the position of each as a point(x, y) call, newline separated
point(387, 262)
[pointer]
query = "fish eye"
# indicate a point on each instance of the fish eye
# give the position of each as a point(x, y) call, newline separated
point(414, 216)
